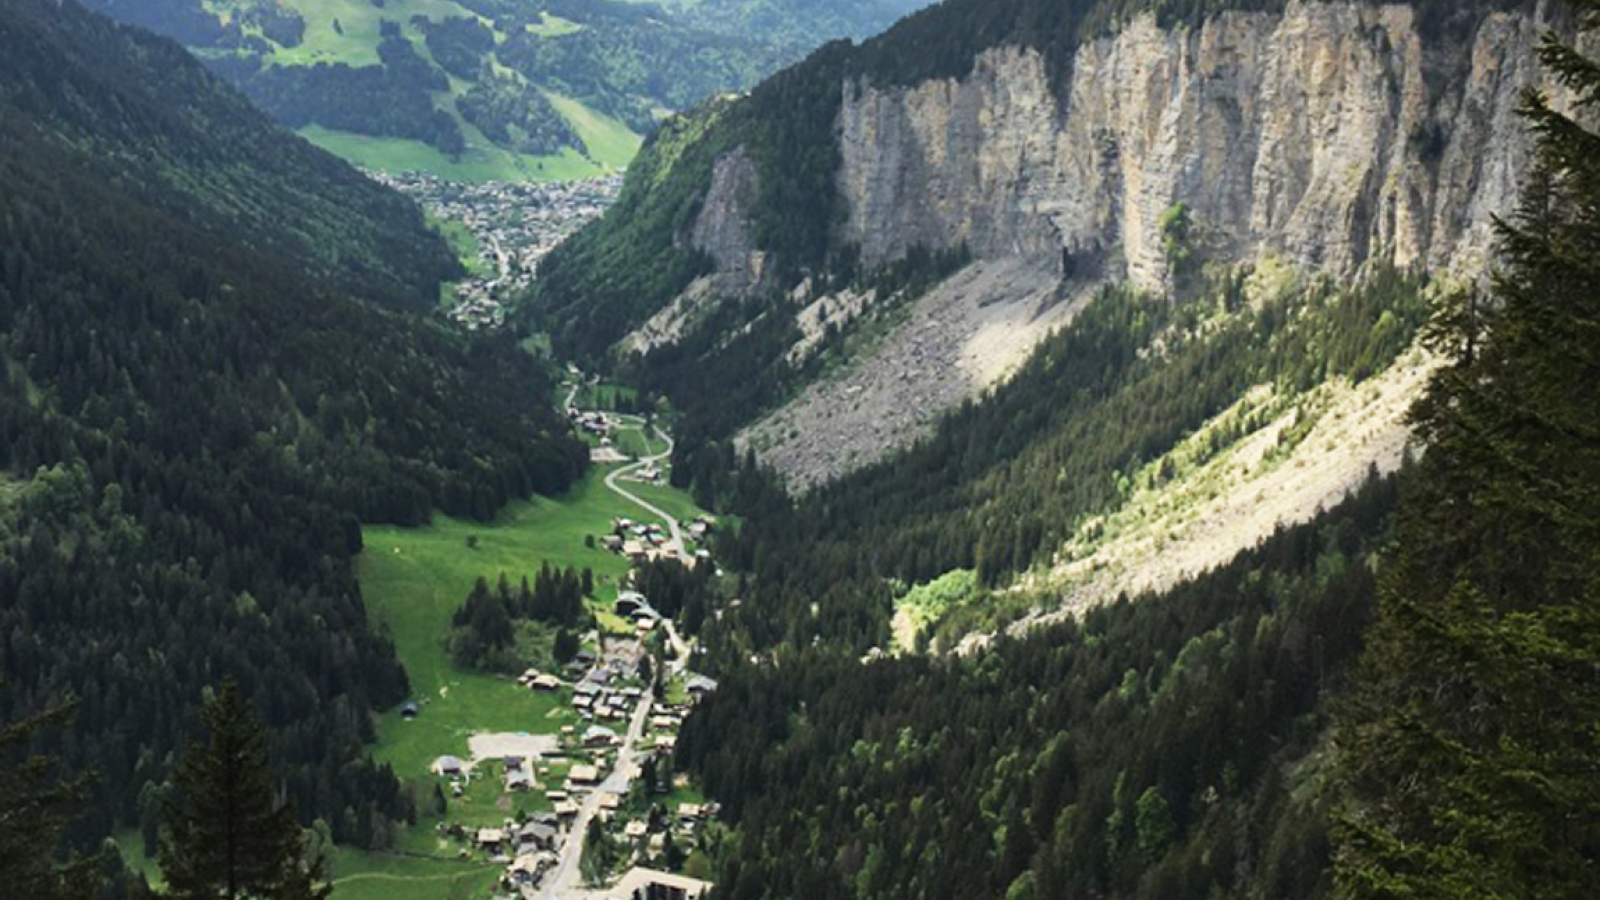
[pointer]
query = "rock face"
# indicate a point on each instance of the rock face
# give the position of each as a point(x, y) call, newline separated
point(1331, 135)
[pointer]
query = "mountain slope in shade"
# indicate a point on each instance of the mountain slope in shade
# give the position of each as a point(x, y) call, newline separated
point(196, 418)
point(180, 139)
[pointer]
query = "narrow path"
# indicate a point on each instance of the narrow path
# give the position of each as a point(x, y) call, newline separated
point(671, 520)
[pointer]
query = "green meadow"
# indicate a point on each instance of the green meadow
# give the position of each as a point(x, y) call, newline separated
point(414, 579)
point(365, 876)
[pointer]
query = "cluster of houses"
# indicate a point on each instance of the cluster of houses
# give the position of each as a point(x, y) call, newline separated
point(643, 542)
point(591, 422)
point(515, 225)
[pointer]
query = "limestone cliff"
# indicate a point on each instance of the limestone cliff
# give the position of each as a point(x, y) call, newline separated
point(1331, 135)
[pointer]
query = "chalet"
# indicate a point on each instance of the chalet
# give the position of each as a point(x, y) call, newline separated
point(584, 657)
point(557, 796)
point(546, 683)
point(664, 723)
point(652, 885)
point(448, 766)
point(700, 685)
point(636, 830)
point(612, 542)
point(490, 839)
point(600, 736)
point(610, 802)
point(566, 809)
point(518, 781)
point(690, 812)
point(634, 551)
point(537, 835)
point(584, 775)
point(666, 743)
point(630, 603)
point(523, 870)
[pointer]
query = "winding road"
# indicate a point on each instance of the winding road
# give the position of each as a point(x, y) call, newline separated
point(564, 881)
point(611, 482)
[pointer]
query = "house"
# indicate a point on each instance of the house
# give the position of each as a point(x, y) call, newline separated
point(518, 781)
point(584, 774)
point(630, 603)
point(566, 809)
point(636, 830)
point(490, 839)
point(448, 766)
point(652, 885)
point(584, 657)
point(700, 685)
point(610, 802)
point(523, 870)
point(409, 709)
point(514, 763)
point(600, 736)
point(690, 812)
point(612, 542)
point(537, 835)
point(666, 743)
point(546, 683)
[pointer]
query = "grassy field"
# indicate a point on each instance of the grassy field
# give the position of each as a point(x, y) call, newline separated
point(609, 142)
point(605, 396)
point(355, 40)
point(415, 579)
point(465, 244)
point(365, 876)
point(481, 161)
point(667, 498)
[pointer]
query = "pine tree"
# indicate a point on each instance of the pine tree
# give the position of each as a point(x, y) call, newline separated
point(229, 837)
point(1470, 754)
point(33, 812)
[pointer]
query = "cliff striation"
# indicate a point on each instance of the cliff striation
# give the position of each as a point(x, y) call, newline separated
point(1329, 136)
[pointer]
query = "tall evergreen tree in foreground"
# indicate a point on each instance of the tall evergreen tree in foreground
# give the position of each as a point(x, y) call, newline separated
point(230, 837)
point(1470, 753)
point(33, 811)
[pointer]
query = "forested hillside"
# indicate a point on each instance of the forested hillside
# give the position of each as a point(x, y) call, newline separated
point(1005, 482)
point(1165, 747)
point(198, 415)
point(467, 87)
point(186, 144)
point(1231, 737)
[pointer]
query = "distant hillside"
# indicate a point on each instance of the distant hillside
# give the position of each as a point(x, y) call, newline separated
point(494, 88)
point(197, 416)
point(183, 141)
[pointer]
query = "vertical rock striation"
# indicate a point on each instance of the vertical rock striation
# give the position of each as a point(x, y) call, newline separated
point(1331, 134)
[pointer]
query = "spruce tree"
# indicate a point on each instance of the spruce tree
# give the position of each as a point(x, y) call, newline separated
point(229, 836)
point(1469, 755)
point(34, 809)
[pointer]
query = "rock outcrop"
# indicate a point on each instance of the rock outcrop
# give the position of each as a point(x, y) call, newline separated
point(1331, 135)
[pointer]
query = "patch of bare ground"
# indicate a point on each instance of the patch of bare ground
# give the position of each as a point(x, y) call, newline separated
point(962, 337)
point(1309, 453)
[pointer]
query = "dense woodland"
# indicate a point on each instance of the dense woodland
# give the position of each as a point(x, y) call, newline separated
point(1166, 747)
point(1006, 481)
point(192, 431)
point(1233, 737)
point(506, 630)
point(190, 147)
